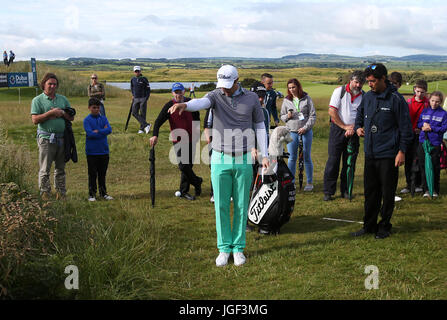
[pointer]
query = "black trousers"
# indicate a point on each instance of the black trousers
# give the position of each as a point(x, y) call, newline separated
point(380, 182)
point(410, 156)
point(337, 149)
point(97, 169)
point(188, 177)
point(436, 162)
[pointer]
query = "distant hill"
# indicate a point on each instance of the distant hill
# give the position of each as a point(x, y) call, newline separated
point(298, 60)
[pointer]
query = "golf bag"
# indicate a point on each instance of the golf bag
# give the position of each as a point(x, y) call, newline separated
point(273, 198)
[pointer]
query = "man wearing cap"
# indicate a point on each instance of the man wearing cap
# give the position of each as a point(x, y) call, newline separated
point(236, 112)
point(383, 119)
point(141, 91)
point(184, 144)
point(342, 110)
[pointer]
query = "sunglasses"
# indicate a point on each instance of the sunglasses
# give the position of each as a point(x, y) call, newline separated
point(94, 78)
point(372, 66)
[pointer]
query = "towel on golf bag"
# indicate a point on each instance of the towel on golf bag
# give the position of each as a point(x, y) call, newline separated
point(273, 198)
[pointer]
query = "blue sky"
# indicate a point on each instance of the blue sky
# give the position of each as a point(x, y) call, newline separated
point(49, 29)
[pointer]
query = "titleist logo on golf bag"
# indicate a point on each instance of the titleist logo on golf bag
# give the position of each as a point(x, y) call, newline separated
point(262, 201)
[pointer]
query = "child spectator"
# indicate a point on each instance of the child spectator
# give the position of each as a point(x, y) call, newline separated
point(433, 123)
point(416, 104)
point(97, 128)
point(396, 79)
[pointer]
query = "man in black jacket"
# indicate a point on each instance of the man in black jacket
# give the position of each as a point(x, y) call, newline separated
point(182, 126)
point(141, 91)
point(383, 120)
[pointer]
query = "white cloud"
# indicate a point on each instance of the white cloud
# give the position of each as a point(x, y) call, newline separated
point(251, 28)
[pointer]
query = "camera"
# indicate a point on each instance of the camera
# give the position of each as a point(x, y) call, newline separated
point(70, 111)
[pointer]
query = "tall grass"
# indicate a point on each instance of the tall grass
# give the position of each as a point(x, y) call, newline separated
point(14, 161)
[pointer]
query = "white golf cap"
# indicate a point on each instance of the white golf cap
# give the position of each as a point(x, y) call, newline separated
point(136, 68)
point(226, 76)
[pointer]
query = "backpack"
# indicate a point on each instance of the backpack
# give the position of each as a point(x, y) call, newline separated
point(273, 199)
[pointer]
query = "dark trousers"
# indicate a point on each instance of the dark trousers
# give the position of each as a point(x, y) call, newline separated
point(188, 177)
point(337, 149)
point(139, 109)
point(436, 162)
point(411, 156)
point(380, 182)
point(97, 169)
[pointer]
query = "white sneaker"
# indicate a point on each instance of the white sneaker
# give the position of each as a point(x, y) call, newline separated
point(147, 129)
point(426, 194)
point(212, 199)
point(91, 199)
point(140, 131)
point(405, 190)
point(309, 187)
point(239, 258)
point(418, 189)
point(397, 199)
point(435, 195)
point(222, 259)
point(107, 197)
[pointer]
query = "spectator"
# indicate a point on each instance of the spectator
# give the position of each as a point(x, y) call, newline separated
point(5, 58)
point(11, 57)
point(433, 124)
point(183, 121)
point(298, 113)
point(47, 112)
point(396, 79)
point(97, 128)
point(383, 120)
point(141, 91)
point(416, 104)
point(342, 110)
point(270, 96)
point(191, 90)
point(98, 91)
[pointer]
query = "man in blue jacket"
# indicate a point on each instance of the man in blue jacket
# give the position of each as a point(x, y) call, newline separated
point(141, 91)
point(384, 121)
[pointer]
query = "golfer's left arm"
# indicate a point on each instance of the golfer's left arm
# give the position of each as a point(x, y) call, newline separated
point(261, 137)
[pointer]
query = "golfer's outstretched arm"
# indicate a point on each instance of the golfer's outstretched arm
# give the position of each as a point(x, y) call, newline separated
point(192, 105)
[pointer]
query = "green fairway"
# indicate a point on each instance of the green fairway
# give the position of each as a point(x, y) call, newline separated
point(125, 249)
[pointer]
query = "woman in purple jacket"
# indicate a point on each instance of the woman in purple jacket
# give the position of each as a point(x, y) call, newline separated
point(433, 123)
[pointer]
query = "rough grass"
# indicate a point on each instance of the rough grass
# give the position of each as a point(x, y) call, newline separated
point(125, 249)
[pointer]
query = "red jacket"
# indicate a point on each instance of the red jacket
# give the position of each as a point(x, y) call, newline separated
point(416, 108)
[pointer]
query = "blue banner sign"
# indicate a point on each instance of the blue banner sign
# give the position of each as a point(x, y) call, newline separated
point(3, 80)
point(20, 79)
point(34, 71)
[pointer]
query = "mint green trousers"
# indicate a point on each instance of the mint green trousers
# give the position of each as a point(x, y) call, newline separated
point(231, 177)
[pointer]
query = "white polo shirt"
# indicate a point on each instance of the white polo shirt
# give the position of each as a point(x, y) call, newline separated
point(347, 106)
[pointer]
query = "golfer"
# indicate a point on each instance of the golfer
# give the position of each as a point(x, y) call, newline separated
point(47, 112)
point(384, 121)
point(236, 112)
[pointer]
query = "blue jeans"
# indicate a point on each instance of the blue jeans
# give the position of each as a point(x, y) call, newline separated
point(292, 148)
point(102, 110)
